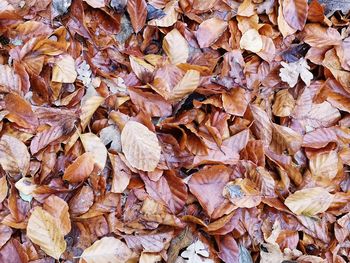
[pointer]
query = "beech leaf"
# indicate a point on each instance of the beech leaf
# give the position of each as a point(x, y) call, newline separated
point(140, 146)
point(107, 249)
point(310, 202)
point(64, 70)
point(44, 231)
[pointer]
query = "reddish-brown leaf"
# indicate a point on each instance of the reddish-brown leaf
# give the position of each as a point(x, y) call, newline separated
point(137, 10)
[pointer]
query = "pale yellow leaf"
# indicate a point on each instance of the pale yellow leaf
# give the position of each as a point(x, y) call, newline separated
point(14, 155)
point(324, 165)
point(252, 41)
point(42, 230)
point(284, 104)
point(64, 70)
point(186, 85)
point(93, 144)
point(140, 146)
point(310, 201)
point(176, 47)
point(107, 249)
point(3, 188)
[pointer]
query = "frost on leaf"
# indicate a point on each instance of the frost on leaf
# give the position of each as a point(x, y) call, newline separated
point(291, 72)
point(196, 253)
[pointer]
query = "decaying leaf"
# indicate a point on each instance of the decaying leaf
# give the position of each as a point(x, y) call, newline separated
point(140, 146)
point(284, 104)
point(107, 249)
point(290, 72)
point(44, 231)
point(309, 201)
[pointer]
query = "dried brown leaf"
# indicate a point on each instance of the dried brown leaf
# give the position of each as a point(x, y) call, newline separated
point(137, 10)
point(140, 146)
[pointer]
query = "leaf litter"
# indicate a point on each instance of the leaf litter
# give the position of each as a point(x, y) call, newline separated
point(174, 131)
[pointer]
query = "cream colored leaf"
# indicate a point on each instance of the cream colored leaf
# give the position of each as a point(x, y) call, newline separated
point(107, 249)
point(324, 165)
point(42, 230)
point(252, 41)
point(3, 188)
point(170, 17)
point(186, 85)
point(284, 104)
point(176, 47)
point(310, 201)
point(140, 146)
point(14, 155)
point(95, 3)
point(64, 70)
point(93, 144)
point(59, 209)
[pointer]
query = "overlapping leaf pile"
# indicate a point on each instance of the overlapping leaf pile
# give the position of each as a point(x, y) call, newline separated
point(174, 131)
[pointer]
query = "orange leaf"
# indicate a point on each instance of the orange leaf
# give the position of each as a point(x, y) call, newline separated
point(209, 31)
point(80, 169)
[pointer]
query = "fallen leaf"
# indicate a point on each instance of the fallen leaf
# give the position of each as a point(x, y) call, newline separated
point(121, 174)
point(107, 249)
point(58, 208)
point(284, 104)
point(64, 70)
point(43, 230)
point(5, 234)
point(137, 10)
point(295, 13)
point(14, 156)
point(324, 165)
point(176, 47)
point(310, 201)
point(96, 3)
point(210, 181)
point(186, 85)
point(251, 41)
point(80, 169)
point(140, 146)
point(209, 31)
point(318, 36)
point(94, 145)
point(290, 72)
point(3, 188)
